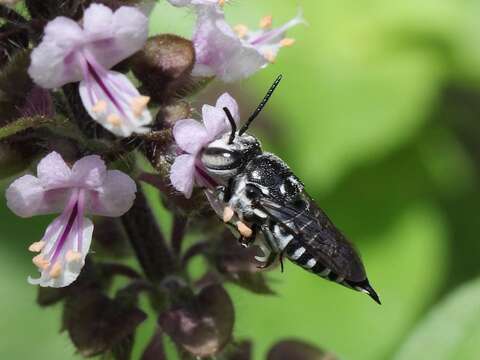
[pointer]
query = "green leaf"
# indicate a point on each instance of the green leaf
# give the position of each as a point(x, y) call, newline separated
point(450, 331)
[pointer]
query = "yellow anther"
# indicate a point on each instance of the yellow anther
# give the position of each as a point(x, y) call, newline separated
point(227, 214)
point(266, 22)
point(241, 30)
point(270, 56)
point(139, 104)
point(114, 119)
point(100, 106)
point(56, 270)
point(287, 42)
point(244, 230)
point(36, 246)
point(221, 2)
point(40, 262)
point(73, 256)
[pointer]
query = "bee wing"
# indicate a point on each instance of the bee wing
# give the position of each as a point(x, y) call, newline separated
point(309, 224)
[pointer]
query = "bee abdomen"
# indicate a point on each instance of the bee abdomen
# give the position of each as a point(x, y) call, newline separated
point(297, 253)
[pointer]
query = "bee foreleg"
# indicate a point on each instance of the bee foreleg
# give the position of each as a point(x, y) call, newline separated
point(247, 241)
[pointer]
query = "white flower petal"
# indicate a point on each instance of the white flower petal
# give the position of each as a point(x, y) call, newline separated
point(215, 121)
point(115, 197)
point(225, 100)
point(53, 172)
point(54, 62)
point(89, 171)
point(182, 174)
point(190, 135)
point(112, 103)
point(69, 269)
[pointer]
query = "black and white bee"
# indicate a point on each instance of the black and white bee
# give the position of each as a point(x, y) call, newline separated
point(269, 206)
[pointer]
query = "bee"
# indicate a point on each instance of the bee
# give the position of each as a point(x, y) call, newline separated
point(269, 206)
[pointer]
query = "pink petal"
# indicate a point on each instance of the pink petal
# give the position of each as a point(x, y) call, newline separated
point(182, 174)
point(51, 66)
point(115, 197)
point(89, 171)
point(53, 172)
point(124, 32)
point(97, 22)
point(215, 121)
point(219, 49)
point(225, 100)
point(190, 135)
point(26, 197)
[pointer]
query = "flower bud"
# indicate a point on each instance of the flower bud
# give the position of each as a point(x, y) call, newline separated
point(164, 66)
point(204, 325)
point(97, 324)
point(299, 350)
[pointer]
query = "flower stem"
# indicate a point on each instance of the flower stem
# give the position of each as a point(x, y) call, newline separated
point(178, 233)
point(147, 240)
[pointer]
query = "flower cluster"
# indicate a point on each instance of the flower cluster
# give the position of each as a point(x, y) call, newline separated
point(86, 97)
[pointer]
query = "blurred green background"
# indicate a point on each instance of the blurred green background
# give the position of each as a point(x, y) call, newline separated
point(379, 114)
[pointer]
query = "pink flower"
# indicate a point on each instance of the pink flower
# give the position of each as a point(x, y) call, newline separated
point(233, 53)
point(87, 187)
point(70, 52)
point(192, 136)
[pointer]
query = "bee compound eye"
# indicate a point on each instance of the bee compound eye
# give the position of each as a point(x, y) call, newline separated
point(220, 159)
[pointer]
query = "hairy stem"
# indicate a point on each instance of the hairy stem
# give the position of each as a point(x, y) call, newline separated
point(147, 240)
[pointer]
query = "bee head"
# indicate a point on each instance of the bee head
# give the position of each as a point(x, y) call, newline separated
point(225, 159)
point(228, 155)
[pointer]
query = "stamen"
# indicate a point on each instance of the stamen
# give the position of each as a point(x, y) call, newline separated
point(37, 246)
point(99, 107)
point(56, 270)
point(114, 120)
point(270, 56)
point(266, 22)
point(139, 104)
point(73, 256)
point(227, 214)
point(244, 230)
point(241, 30)
point(221, 2)
point(40, 262)
point(287, 42)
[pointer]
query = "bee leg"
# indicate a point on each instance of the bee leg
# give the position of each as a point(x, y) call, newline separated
point(227, 191)
point(270, 260)
point(247, 241)
point(280, 258)
point(269, 251)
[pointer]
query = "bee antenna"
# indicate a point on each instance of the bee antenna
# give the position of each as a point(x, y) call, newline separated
point(233, 125)
point(260, 107)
